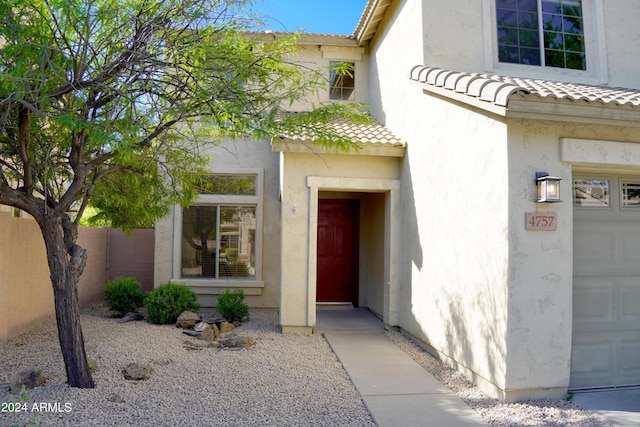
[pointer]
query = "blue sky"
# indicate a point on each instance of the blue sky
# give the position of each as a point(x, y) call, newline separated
point(313, 16)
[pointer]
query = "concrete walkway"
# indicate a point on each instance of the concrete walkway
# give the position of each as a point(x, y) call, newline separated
point(396, 390)
point(619, 407)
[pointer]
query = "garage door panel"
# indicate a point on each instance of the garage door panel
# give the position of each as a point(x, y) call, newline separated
point(606, 297)
point(630, 302)
point(630, 246)
point(629, 351)
point(597, 245)
point(592, 302)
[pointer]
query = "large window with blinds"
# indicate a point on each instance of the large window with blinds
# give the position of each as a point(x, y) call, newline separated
point(219, 231)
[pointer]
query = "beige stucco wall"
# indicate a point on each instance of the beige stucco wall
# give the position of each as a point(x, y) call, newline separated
point(460, 35)
point(357, 173)
point(26, 294)
point(482, 292)
point(317, 57)
point(233, 156)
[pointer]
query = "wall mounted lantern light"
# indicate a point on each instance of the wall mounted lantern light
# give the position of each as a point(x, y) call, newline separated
point(548, 188)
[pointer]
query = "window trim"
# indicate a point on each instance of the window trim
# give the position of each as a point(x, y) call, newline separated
point(595, 49)
point(221, 200)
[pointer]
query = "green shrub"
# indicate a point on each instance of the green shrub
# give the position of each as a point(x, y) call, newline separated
point(123, 295)
point(165, 303)
point(231, 307)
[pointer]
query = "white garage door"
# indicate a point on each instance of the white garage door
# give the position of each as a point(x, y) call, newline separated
point(606, 284)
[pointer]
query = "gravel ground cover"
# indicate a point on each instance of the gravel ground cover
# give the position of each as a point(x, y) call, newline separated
point(281, 381)
point(284, 380)
point(526, 414)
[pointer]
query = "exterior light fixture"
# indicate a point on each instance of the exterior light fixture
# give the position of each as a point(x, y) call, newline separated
point(548, 188)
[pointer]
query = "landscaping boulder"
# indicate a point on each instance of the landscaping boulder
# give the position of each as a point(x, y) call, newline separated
point(207, 334)
point(226, 327)
point(29, 377)
point(137, 371)
point(239, 342)
point(200, 326)
point(130, 316)
point(187, 320)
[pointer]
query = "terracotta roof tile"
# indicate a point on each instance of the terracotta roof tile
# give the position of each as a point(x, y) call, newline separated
point(368, 134)
point(498, 89)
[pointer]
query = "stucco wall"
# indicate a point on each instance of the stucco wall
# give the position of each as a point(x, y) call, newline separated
point(233, 155)
point(26, 294)
point(480, 291)
point(295, 309)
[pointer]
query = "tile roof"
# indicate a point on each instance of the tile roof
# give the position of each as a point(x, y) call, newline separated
point(367, 134)
point(498, 90)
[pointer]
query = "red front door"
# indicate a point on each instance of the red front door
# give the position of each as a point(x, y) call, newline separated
point(337, 251)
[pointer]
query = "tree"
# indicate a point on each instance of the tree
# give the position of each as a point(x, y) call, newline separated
point(114, 101)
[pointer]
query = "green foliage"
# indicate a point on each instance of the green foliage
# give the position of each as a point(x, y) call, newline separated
point(23, 397)
point(231, 307)
point(123, 295)
point(231, 254)
point(165, 303)
point(93, 366)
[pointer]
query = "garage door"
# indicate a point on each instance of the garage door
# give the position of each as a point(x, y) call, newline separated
point(606, 285)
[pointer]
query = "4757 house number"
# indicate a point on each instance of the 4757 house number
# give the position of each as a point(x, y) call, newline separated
point(538, 221)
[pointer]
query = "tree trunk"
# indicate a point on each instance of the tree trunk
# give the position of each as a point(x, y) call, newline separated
point(66, 262)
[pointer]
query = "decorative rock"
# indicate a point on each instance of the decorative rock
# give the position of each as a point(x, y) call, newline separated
point(187, 319)
point(239, 342)
point(226, 327)
point(130, 316)
point(191, 332)
point(29, 377)
point(215, 344)
point(116, 399)
point(207, 334)
point(137, 371)
point(212, 319)
point(190, 345)
point(200, 326)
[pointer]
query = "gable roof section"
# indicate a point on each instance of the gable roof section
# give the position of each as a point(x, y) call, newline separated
point(373, 139)
point(370, 19)
point(507, 96)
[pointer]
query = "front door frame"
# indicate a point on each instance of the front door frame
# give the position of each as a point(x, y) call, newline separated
point(391, 188)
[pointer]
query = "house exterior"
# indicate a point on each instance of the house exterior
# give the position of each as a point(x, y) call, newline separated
point(435, 225)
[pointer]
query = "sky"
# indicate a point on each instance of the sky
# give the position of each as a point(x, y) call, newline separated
point(312, 16)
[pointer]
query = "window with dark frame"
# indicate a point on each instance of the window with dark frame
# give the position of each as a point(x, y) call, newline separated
point(541, 32)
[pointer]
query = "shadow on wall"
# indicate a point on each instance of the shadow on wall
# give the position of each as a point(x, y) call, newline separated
point(449, 320)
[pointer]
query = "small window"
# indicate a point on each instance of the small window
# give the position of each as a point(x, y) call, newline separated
point(592, 193)
point(630, 194)
point(341, 80)
point(541, 32)
point(239, 185)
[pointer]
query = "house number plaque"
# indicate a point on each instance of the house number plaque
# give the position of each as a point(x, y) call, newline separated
point(539, 221)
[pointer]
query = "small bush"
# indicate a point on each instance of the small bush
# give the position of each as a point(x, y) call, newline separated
point(231, 307)
point(165, 303)
point(123, 295)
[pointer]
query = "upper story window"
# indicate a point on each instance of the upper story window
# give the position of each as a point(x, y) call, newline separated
point(541, 32)
point(341, 80)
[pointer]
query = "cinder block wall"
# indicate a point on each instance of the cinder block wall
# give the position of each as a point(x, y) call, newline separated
point(132, 256)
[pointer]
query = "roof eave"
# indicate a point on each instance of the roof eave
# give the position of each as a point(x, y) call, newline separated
point(372, 16)
point(567, 110)
point(286, 145)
